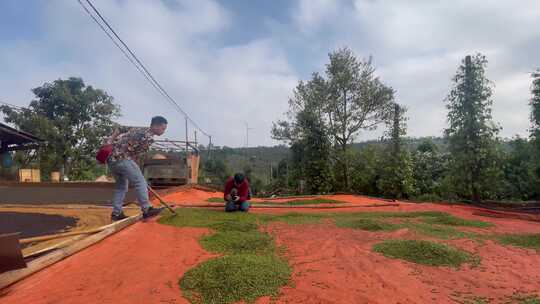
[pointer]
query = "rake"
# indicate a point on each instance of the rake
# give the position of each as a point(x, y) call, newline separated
point(160, 199)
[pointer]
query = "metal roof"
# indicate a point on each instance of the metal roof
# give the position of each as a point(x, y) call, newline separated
point(12, 139)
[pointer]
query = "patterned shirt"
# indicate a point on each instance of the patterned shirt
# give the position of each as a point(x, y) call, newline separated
point(131, 144)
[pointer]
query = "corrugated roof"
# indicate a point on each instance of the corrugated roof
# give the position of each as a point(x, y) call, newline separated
point(17, 140)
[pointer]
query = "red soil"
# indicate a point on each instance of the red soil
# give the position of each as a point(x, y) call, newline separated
point(142, 264)
point(333, 265)
point(191, 195)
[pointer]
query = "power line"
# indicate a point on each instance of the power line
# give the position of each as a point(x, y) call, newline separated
point(140, 66)
point(12, 105)
point(118, 46)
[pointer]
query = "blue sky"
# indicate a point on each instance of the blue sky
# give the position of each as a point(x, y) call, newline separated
point(228, 62)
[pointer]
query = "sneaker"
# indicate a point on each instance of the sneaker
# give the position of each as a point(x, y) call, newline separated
point(118, 217)
point(150, 212)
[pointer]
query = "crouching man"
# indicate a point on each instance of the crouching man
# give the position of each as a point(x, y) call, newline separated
point(236, 193)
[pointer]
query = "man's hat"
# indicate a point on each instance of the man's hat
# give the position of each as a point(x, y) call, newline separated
point(239, 178)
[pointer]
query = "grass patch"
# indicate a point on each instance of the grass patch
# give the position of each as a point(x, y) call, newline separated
point(473, 300)
point(383, 215)
point(450, 220)
point(231, 225)
point(316, 201)
point(215, 200)
point(234, 278)
point(209, 219)
point(424, 252)
point(530, 300)
point(365, 224)
point(297, 202)
point(433, 223)
point(523, 299)
point(441, 232)
point(236, 242)
point(293, 218)
point(531, 241)
point(250, 268)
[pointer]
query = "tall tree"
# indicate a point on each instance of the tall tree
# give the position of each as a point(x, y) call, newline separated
point(73, 118)
point(535, 117)
point(307, 133)
point(316, 151)
point(366, 170)
point(520, 180)
point(471, 132)
point(351, 98)
point(397, 175)
point(357, 100)
point(429, 168)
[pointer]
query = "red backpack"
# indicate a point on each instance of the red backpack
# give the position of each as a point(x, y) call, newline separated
point(103, 153)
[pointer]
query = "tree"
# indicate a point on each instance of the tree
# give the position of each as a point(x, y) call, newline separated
point(535, 118)
point(73, 118)
point(366, 171)
point(350, 99)
point(357, 100)
point(397, 176)
point(520, 181)
point(307, 133)
point(429, 169)
point(316, 150)
point(471, 132)
point(216, 170)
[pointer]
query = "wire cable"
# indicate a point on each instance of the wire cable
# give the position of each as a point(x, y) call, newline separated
point(138, 64)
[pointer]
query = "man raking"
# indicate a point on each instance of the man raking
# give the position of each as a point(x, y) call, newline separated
point(126, 147)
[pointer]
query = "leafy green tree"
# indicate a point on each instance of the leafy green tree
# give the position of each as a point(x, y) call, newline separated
point(216, 170)
point(429, 168)
point(366, 170)
point(316, 154)
point(297, 170)
point(350, 99)
point(397, 176)
point(520, 180)
point(73, 118)
point(306, 131)
point(471, 133)
point(357, 100)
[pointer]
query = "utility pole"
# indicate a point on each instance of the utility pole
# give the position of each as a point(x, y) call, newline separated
point(247, 140)
point(187, 137)
point(209, 146)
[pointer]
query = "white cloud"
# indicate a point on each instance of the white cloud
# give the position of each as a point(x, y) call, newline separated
point(311, 15)
point(219, 87)
point(418, 45)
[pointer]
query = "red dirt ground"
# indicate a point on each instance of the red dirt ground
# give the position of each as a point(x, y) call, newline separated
point(142, 264)
point(333, 265)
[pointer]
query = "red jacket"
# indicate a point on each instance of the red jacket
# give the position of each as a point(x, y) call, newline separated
point(243, 189)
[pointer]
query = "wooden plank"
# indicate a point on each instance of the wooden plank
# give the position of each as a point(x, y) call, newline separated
point(61, 235)
point(38, 264)
point(55, 246)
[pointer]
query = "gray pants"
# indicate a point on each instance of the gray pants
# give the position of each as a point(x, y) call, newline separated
point(127, 172)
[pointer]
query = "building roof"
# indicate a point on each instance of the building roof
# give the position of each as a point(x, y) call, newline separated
point(12, 139)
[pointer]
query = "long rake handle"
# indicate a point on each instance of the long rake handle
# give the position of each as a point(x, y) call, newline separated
point(160, 199)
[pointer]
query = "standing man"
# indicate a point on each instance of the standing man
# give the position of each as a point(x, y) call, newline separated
point(127, 147)
point(236, 193)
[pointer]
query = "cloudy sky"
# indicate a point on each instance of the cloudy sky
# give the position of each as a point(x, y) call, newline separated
point(235, 61)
